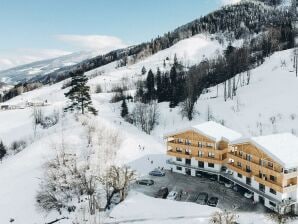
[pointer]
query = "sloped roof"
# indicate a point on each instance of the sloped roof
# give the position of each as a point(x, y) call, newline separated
point(283, 148)
point(211, 130)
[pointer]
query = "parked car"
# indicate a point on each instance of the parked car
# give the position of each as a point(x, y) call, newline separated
point(213, 201)
point(162, 192)
point(213, 178)
point(147, 182)
point(202, 198)
point(229, 172)
point(248, 195)
point(157, 172)
point(193, 197)
point(179, 195)
point(228, 185)
point(235, 188)
point(172, 195)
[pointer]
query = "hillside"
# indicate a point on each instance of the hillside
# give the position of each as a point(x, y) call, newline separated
point(271, 84)
point(234, 66)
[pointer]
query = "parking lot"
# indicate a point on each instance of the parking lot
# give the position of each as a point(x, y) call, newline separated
point(229, 199)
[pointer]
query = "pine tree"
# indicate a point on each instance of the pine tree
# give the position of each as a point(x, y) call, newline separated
point(124, 109)
point(2, 150)
point(173, 88)
point(159, 89)
point(150, 86)
point(144, 70)
point(79, 94)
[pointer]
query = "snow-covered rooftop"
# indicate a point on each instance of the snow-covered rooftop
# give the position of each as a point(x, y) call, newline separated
point(283, 147)
point(213, 130)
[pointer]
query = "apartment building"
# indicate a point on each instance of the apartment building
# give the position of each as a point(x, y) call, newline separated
point(266, 165)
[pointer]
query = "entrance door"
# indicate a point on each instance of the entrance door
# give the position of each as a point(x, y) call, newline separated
point(201, 164)
point(187, 161)
point(248, 181)
point(187, 171)
point(261, 200)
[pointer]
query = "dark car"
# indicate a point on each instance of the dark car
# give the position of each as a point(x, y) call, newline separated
point(145, 182)
point(162, 193)
point(202, 198)
point(158, 173)
point(213, 201)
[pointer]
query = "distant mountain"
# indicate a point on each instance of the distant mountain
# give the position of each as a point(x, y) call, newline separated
point(242, 21)
point(41, 68)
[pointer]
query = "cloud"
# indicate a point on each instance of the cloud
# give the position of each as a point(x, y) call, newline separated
point(100, 43)
point(230, 2)
point(17, 57)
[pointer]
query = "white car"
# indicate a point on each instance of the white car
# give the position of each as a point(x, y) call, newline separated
point(228, 185)
point(248, 195)
point(172, 195)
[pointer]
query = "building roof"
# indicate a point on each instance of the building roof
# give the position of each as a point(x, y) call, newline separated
point(212, 130)
point(283, 148)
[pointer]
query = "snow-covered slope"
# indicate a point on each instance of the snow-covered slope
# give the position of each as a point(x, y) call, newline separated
point(267, 105)
point(28, 71)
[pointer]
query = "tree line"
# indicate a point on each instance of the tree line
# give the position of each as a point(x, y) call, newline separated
point(183, 86)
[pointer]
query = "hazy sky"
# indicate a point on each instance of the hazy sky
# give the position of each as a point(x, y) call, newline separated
point(37, 29)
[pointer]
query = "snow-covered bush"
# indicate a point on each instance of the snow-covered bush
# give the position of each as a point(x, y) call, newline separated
point(18, 145)
point(79, 179)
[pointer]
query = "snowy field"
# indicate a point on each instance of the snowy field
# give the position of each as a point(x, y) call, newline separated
point(272, 92)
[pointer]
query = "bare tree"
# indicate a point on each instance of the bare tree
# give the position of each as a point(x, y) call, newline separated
point(145, 116)
point(117, 180)
point(278, 218)
point(225, 217)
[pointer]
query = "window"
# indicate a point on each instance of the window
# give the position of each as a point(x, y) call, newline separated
point(188, 142)
point(200, 154)
point(178, 150)
point(187, 161)
point(178, 159)
point(262, 162)
point(270, 165)
point(262, 187)
point(272, 178)
point(211, 154)
point(200, 144)
point(187, 151)
point(211, 165)
point(180, 140)
point(178, 168)
point(248, 157)
point(248, 170)
point(272, 204)
point(272, 191)
point(239, 164)
point(240, 153)
point(201, 164)
point(239, 175)
point(209, 145)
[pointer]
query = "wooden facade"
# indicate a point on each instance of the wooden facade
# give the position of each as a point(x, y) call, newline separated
point(254, 162)
point(245, 159)
point(191, 144)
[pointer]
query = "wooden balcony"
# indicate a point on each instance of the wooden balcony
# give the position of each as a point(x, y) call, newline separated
point(178, 154)
point(269, 184)
point(209, 160)
point(237, 169)
point(255, 167)
point(196, 148)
